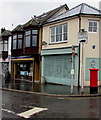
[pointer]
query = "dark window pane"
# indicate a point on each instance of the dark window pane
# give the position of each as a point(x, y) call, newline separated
point(20, 36)
point(65, 36)
point(95, 24)
point(65, 28)
point(52, 31)
point(34, 40)
point(28, 32)
point(28, 41)
point(90, 24)
point(14, 36)
point(14, 44)
point(90, 29)
point(34, 31)
point(5, 47)
point(19, 43)
point(52, 38)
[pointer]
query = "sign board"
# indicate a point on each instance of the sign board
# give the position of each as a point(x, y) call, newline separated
point(23, 72)
point(82, 37)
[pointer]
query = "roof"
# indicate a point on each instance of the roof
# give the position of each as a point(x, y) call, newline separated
point(45, 16)
point(32, 22)
point(39, 20)
point(6, 33)
point(18, 28)
point(83, 8)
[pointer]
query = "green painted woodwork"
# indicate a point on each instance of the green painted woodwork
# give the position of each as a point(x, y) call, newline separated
point(92, 63)
point(57, 69)
point(59, 51)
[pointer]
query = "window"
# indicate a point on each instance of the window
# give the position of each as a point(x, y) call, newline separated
point(31, 38)
point(5, 45)
point(28, 38)
point(93, 26)
point(20, 37)
point(17, 41)
point(1, 45)
point(59, 33)
point(14, 41)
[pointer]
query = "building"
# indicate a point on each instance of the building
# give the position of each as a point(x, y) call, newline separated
point(26, 47)
point(5, 53)
point(60, 34)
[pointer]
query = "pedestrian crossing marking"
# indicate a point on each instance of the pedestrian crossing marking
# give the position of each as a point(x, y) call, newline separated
point(30, 112)
point(8, 111)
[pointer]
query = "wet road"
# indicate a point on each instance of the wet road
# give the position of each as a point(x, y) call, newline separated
point(23, 106)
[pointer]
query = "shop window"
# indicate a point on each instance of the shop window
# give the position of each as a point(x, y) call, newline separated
point(23, 69)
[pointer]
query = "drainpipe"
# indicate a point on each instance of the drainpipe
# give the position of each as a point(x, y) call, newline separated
point(79, 56)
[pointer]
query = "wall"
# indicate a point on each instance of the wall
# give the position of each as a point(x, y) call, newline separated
point(72, 36)
point(90, 54)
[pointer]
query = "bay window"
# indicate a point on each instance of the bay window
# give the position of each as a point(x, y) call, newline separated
point(17, 41)
point(59, 33)
point(31, 37)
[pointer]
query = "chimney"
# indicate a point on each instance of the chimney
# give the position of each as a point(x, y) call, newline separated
point(2, 30)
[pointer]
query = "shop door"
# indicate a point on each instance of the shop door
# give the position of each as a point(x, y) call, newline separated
point(57, 69)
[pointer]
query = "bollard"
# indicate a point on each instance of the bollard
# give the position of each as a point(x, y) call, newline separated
point(93, 81)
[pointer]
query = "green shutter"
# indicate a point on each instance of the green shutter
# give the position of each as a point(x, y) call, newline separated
point(57, 69)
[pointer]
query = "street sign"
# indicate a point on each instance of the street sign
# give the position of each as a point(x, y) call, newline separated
point(82, 37)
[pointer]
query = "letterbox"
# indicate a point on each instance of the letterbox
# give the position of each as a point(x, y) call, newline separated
point(93, 80)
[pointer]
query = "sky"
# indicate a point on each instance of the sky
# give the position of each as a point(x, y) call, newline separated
point(15, 12)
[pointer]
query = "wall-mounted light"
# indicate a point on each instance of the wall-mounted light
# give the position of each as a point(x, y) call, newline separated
point(44, 43)
point(93, 46)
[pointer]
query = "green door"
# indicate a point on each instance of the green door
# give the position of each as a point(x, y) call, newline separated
point(57, 69)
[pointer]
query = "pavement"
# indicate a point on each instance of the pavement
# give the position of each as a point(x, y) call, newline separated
point(49, 90)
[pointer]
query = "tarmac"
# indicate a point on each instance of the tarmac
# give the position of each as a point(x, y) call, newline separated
point(50, 90)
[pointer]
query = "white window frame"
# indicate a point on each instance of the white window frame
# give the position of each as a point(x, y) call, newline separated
point(93, 26)
point(62, 34)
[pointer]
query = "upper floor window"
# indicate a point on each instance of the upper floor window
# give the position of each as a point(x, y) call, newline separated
point(31, 37)
point(59, 33)
point(5, 45)
point(17, 41)
point(93, 26)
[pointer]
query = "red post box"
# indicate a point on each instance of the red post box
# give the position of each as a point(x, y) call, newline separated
point(93, 80)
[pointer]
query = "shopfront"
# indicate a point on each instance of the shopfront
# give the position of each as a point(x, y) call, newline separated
point(23, 69)
point(57, 65)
